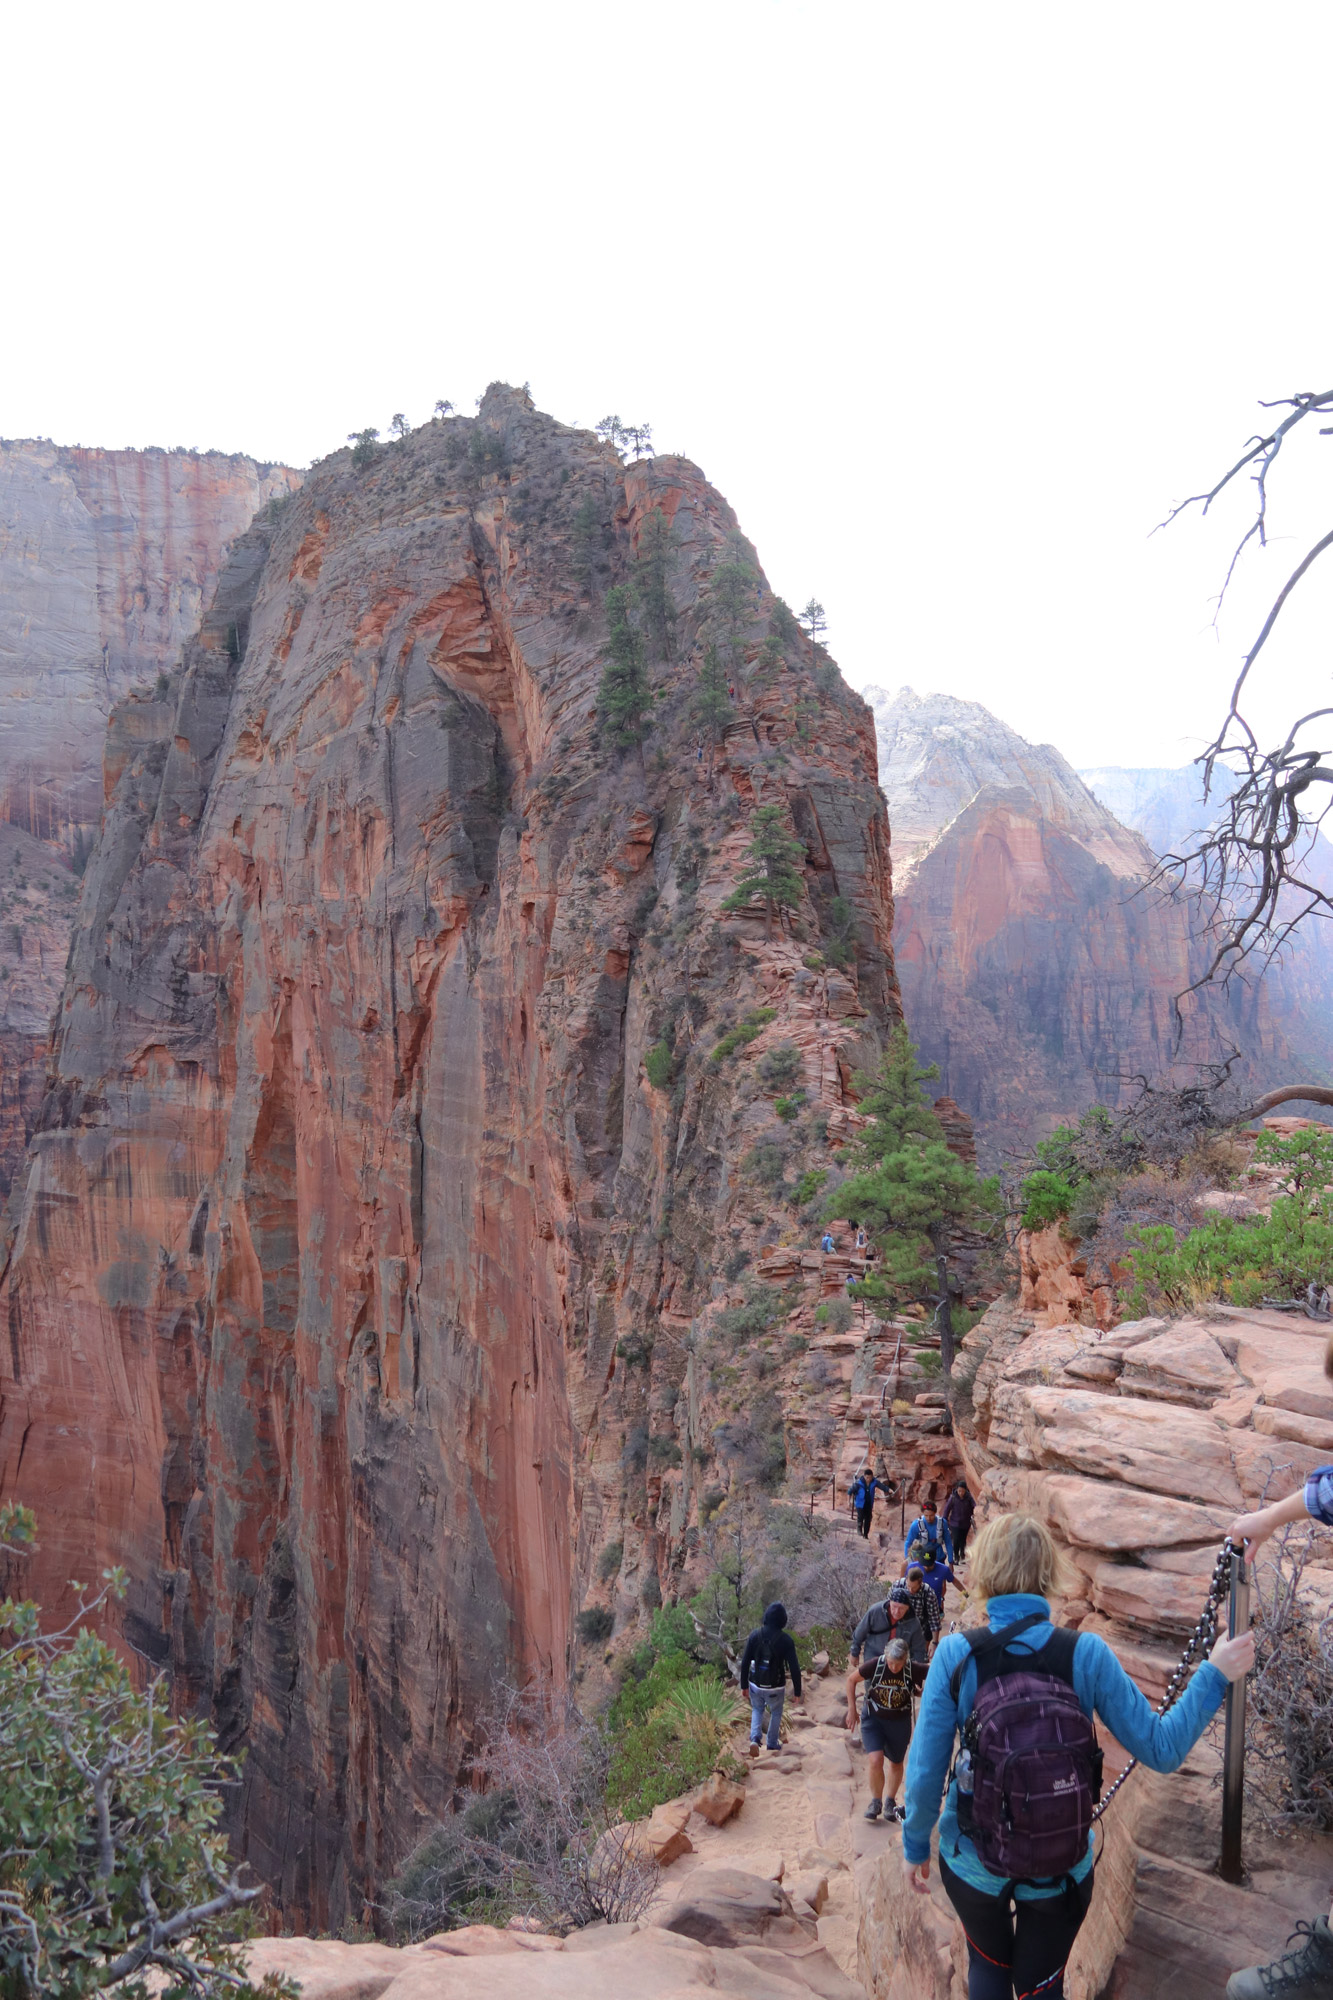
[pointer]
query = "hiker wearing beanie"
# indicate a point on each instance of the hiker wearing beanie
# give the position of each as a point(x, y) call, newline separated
point(1016, 1835)
point(769, 1656)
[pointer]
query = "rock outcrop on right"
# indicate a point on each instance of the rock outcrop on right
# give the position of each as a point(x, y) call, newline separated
point(1037, 967)
point(1138, 1447)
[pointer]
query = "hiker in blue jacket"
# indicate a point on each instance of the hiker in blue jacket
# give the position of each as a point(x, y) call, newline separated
point(928, 1532)
point(1020, 1931)
point(862, 1495)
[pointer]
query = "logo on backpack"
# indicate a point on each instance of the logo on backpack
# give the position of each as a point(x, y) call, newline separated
point(1030, 1769)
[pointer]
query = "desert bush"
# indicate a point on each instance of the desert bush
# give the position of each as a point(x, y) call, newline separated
point(781, 1067)
point(634, 1457)
point(595, 1625)
point(790, 1108)
point(834, 1586)
point(743, 1322)
point(1289, 1712)
point(1284, 1255)
point(657, 1065)
point(609, 1561)
point(748, 1030)
point(836, 1314)
point(766, 1161)
point(663, 1451)
point(114, 1865)
point(808, 1186)
point(542, 1842)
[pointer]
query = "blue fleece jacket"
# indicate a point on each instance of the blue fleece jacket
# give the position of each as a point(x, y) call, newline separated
point(1103, 1688)
point(935, 1532)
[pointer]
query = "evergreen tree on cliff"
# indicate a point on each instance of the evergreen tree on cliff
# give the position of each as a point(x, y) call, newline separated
point(625, 699)
point(774, 860)
point(913, 1196)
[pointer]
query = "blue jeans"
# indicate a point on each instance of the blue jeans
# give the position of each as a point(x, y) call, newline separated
point(772, 1700)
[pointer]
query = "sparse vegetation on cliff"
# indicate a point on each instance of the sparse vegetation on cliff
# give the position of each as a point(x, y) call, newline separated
point(773, 860)
point(625, 699)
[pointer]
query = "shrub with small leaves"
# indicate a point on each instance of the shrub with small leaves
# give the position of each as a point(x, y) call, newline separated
point(657, 1065)
point(781, 1067)
point(595, 1625)
point(609, 1561)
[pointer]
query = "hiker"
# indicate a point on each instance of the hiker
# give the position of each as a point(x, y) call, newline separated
point(1307, 1972)
point(1016, 1835)
point(769, 1656)
point(936, 1574)
point(958, 1511)
point(826, 1242)
point(928, 1532)
point(886, 1726)
point(894, 1617)
point(925, 1621)
point(863, 1490)
point(861, 1241)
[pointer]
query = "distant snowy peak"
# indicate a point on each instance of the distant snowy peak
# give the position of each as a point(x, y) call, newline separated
point(937, 754)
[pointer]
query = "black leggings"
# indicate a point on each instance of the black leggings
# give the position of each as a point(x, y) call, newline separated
point(1017, 1950)
point(864, 1516)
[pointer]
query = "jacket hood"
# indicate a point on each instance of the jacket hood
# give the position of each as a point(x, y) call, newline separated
point(776, 1616)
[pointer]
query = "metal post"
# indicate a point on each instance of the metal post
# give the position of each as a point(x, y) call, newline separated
point(1233, 1757)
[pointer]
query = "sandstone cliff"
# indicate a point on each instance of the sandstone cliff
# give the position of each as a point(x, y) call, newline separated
point(106, 560)
point(352, 1271)
point(1037, 970)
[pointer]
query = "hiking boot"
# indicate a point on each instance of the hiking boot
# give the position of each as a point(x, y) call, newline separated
point(1306, 1974)
point(893, 1812)
point(754, 1749)
point(873, 1809)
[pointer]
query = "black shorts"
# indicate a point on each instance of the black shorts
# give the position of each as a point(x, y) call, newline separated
point(889, 1733)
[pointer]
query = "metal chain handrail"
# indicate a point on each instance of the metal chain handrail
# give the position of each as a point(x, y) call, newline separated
point(1204, 1632)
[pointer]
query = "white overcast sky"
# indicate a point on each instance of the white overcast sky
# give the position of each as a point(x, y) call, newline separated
point(951, 301)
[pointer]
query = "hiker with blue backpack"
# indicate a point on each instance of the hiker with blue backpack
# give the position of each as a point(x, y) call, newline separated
point(928, 1532)
point(862, 1495)
point(1016, 1832)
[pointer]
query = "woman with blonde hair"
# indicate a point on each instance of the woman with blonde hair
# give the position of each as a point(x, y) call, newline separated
point(1015, 1834)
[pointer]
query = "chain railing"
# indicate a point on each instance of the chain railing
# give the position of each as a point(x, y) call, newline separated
point(1199, 1641)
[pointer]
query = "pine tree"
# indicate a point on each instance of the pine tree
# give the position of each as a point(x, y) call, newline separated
point(911, 1194)
point(730, 592)
point(711, 706)
point(775, 860)
point(651, 568)
point(625, 699)
point(816, 625)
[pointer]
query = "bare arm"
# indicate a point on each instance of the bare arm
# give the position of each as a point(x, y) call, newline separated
point(1254, 1529)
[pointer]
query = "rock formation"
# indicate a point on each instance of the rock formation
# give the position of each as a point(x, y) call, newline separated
point(1138, 1447)
point(1036, 969)
point(106, 561)
point(351, 1273)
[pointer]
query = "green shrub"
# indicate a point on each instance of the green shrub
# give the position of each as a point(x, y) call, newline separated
point(109, 1812)
point(808, 1186)
point(782, 1066)
point(757, 1315)
point(609, 1561)
point(1246, 1259)
point(657, 1064)
point(651, 1763)
point(749, 1030)
point(664, 1451)
point(766, 1161)
point(1046, 1198)
point(788, 1108)
point(595, 1625)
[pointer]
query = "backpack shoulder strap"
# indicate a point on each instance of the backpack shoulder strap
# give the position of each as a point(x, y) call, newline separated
point(1057, 1655)
point(983, 1640)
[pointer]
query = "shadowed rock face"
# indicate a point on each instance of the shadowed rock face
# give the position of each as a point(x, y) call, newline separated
point(351, 1194)
point(106, 561)
point(1036, 969)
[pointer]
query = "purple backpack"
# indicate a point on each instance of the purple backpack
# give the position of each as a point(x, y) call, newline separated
point(1031, 1754)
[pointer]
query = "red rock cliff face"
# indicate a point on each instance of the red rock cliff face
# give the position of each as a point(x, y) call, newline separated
point(356, 1247)
point(1037, 971)
point(106, 561)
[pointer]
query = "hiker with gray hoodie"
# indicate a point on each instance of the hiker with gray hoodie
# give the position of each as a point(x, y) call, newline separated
point(769, 1656)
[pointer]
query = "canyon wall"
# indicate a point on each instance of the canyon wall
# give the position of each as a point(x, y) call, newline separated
point(388, 1158)
point(106, 561)
point(1037, 969)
